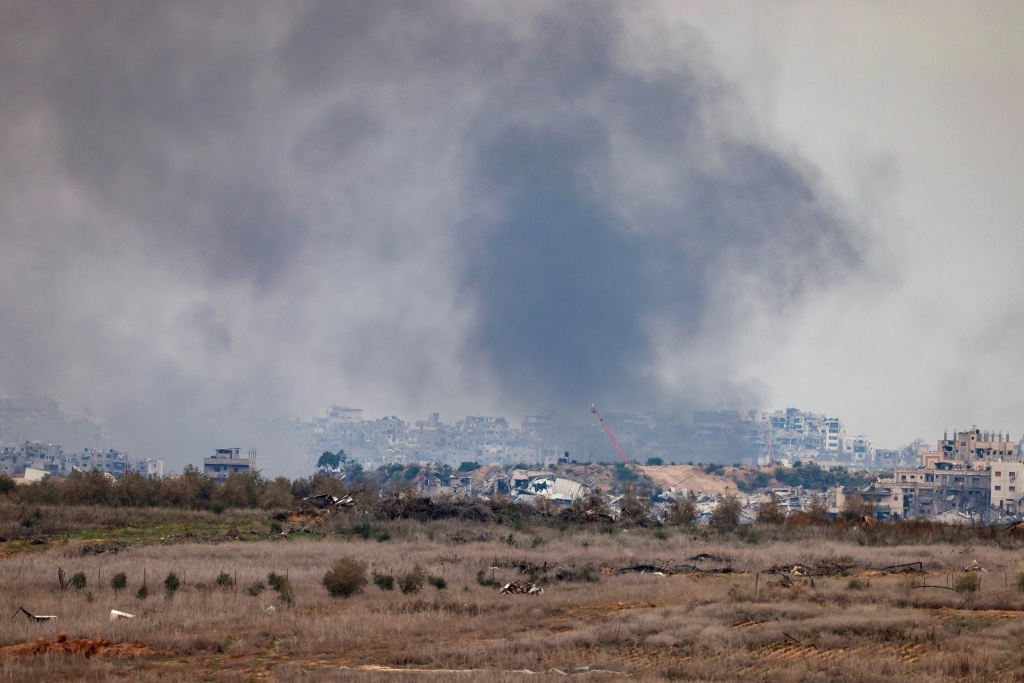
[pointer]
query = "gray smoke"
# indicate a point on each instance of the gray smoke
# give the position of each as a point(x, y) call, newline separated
point(400, 205)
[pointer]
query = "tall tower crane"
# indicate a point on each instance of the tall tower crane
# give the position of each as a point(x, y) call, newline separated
point(594, 410)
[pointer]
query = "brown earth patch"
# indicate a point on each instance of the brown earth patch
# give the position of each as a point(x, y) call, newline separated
point(78, 647)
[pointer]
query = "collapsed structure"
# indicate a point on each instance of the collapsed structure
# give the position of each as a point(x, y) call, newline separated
point(975, 475)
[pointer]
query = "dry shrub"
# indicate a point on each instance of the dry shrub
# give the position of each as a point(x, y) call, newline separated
point(412, 580)
point(346, 578)
point(967, 583)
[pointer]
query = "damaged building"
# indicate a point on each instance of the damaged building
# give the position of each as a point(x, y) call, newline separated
point(523, 485)
point(975, 474)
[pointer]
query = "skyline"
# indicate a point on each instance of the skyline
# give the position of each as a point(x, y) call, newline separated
point(472, 208)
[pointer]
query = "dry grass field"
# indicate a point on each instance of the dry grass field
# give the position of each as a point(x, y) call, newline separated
point(591, 621)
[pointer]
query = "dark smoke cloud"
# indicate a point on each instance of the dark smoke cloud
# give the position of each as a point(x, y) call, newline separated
point(405, 206)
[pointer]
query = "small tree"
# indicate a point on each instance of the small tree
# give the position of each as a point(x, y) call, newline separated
point(654, 462)
point(817, 513)
point(633, 506)
point(726, 515)
point(683, 511)
point(771, 511)
point(346, 578)
point(119, 581)
point(331, 462)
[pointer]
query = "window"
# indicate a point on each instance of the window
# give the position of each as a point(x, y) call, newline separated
point(999, 488)
point(1013, 488)
point(999, 474)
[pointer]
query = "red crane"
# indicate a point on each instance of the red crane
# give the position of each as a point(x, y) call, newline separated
point(768, 440)
point(593, 409)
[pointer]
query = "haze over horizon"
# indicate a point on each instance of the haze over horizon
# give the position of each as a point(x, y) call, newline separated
point(487, 208)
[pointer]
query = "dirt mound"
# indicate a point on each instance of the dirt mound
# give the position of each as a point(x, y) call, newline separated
point(691, 478)
point(80, 647)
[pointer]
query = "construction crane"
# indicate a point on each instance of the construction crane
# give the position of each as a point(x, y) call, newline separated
point(768, 440)
point(594, 410)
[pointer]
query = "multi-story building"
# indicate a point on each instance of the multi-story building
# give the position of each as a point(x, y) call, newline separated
point(857, 449)
point(974, 448)
point(907, 492)
point(1008, 487)
point(227, 461)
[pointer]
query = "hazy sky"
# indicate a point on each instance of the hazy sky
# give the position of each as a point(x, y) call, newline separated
point(499, 208)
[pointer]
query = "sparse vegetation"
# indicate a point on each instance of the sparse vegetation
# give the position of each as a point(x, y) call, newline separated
point(863, 623)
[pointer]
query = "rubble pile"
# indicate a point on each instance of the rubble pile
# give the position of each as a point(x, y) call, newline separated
point(521, 588)
point(821, 569)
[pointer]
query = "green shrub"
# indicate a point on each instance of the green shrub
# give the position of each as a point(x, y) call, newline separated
point(748, 535)
point(412, 581)
point(346, 578)
point(275, 580)
point(224, 580)
point(142, 593)
point(119, 581)
point(171, 583)
point(1020, 582)
point(437, 582)
point(281, 584)
point(256, 589)
point(385, 582)
point(487, 581)
point(78, 581)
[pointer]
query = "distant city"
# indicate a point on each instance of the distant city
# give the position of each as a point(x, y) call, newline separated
point(35, 433)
